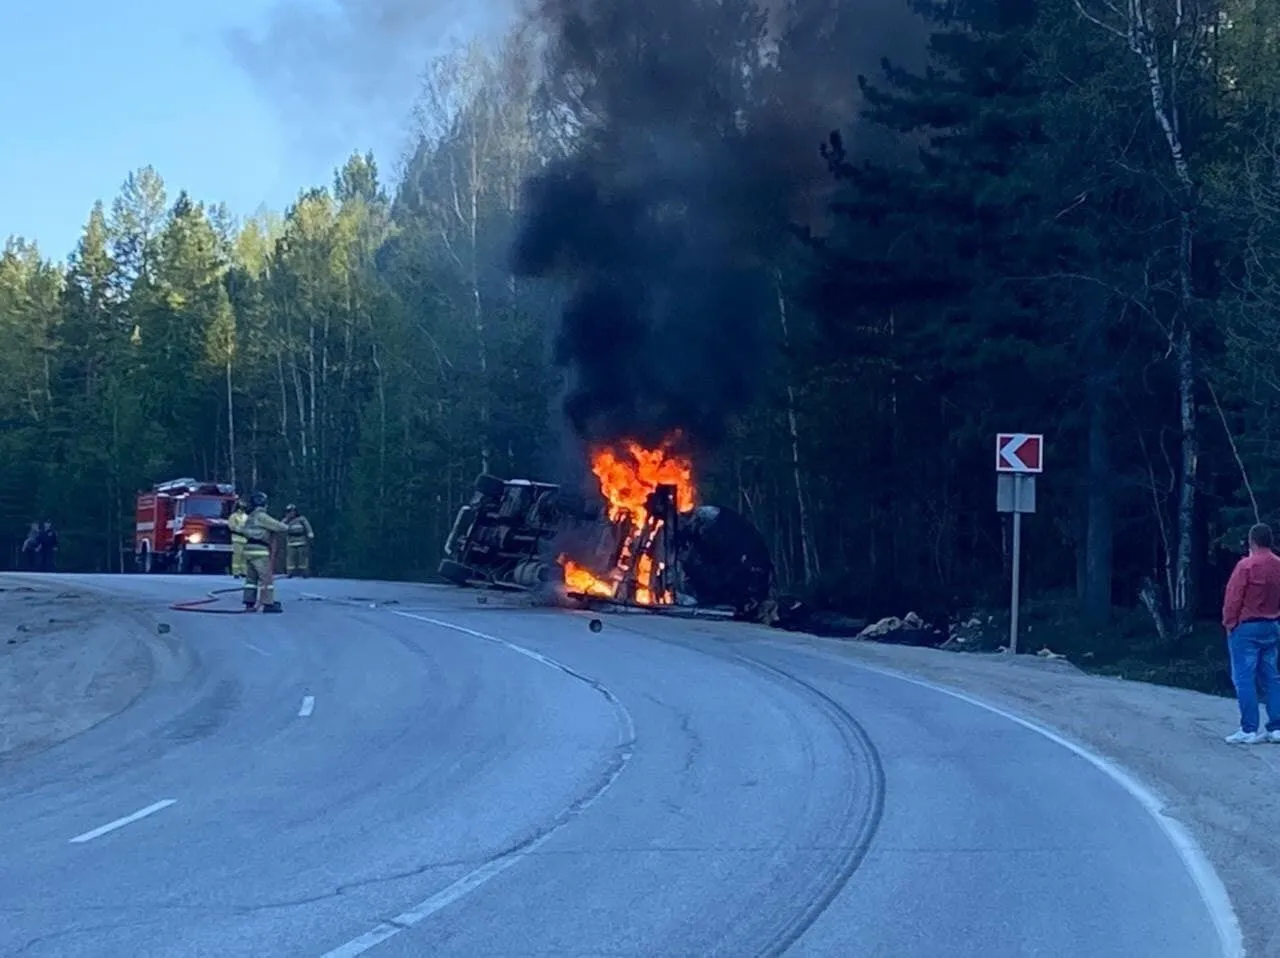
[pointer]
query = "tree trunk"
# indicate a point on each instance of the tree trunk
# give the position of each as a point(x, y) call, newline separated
point(231, 423)
point(284, 412)
point(478, 318)
point(382, 445)
point(1097, 545)
point(253, 451)
point(808, 553)
point(1162, 84)
point(1183, 599)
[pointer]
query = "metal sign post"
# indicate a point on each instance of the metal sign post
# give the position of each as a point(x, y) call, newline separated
point(1019, 457)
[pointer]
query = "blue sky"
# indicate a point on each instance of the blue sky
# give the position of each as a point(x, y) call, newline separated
point(94, 89)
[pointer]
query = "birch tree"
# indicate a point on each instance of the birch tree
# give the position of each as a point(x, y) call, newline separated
point(1169, 40)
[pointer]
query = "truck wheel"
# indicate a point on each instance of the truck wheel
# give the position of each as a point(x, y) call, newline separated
point(454, 572)
point(491, 487)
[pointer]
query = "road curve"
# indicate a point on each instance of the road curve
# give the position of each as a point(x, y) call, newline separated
point(403, 770)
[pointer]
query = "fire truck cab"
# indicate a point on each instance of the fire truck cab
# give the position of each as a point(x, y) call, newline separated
point(181, 526)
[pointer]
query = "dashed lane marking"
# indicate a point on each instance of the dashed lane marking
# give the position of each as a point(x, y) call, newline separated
point(122, 822)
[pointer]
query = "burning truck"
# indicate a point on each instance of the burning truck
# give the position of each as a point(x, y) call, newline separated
point(641, 539)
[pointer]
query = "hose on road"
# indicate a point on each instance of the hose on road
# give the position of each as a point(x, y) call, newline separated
point(196, 605)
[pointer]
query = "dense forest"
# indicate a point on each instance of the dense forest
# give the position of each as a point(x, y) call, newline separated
point(844, 274)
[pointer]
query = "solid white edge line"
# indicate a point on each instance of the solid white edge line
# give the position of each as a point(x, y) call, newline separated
point(308, 706)
point(1212, 891)
point(121, 822)
point(490, 870)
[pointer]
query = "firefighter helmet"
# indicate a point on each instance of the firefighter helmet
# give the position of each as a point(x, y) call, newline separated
point(291, 508)
point(258, 500)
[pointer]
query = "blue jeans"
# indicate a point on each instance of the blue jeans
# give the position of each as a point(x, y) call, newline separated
point(1253, 649)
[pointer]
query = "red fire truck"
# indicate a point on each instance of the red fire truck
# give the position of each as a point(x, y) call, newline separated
point(181, 526)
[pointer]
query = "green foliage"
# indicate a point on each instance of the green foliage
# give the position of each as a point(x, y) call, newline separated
point(996, 248)
point(302, 354)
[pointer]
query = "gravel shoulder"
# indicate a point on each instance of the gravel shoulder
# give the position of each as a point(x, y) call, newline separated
point(69, 659)
point(1169, 739)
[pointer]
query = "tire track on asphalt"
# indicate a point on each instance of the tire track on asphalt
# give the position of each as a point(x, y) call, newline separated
point(864, 809)
point(851, 838)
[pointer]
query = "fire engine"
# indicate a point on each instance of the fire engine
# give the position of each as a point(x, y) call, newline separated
point(181, 526)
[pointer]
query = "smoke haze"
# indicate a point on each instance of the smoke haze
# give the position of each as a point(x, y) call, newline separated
point(697, 125)
point(343, 75)
point(696, 153)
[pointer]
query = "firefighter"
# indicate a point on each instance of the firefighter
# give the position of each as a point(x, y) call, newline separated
point(298, 551)
point(259, 528)
point(236, 521)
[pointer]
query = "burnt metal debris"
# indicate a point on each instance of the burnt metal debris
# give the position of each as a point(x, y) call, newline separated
point(516, 534)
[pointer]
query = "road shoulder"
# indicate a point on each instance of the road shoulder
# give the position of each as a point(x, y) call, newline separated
point(69, 659)
point(1169, 739)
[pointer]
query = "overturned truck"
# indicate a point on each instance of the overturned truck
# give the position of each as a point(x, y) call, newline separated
point(654, 549)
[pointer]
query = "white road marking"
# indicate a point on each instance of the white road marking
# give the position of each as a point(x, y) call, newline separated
point(308, 706)
point(121, 822)
point(258, 650)
point(474, 879)
point(1212, 892)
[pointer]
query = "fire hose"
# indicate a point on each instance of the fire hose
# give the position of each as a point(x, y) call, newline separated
point(194, 605)
point(197, 605)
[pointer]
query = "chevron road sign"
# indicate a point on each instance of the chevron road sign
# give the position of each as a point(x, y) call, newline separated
point(1019, 459)
point(1020, 452)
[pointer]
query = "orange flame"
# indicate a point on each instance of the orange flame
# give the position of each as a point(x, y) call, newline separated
point(628, 474)
point(580, 580)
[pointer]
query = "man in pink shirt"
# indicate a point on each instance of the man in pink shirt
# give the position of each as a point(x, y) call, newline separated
point(1251, 616)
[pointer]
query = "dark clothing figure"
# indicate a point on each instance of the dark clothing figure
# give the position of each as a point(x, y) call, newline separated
point(48, 547)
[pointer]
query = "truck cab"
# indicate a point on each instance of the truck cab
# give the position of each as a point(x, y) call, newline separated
point(181, 526)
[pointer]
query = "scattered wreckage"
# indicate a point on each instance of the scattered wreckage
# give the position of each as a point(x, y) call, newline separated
point(639, 540)
point(642, 541)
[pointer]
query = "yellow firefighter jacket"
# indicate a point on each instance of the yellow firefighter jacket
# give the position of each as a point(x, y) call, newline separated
point(236, 522)
point(300, 532)
point(258, 529)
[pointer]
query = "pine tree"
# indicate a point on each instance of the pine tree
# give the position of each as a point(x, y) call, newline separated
point(932, 280)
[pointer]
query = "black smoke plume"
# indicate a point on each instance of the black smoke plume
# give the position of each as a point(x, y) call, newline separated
point(696, 128)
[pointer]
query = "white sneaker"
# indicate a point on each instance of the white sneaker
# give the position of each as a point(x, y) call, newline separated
point(1246, 738)
point(1274, 736)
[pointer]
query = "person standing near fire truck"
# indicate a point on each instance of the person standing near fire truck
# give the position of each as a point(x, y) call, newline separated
point(31, 548)
point(298, 550)
point(48, 547)
point(258, 529)
point(236, 521)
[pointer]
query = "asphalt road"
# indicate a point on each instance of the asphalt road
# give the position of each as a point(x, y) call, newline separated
point(399, 770)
